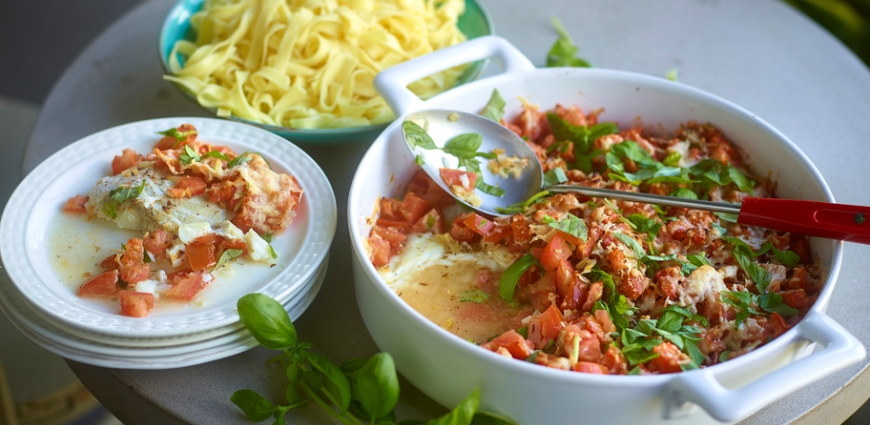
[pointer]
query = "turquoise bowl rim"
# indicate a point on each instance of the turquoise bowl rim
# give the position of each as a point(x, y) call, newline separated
point(176, 26)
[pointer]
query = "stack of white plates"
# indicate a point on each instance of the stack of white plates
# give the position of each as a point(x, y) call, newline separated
point(47, 310)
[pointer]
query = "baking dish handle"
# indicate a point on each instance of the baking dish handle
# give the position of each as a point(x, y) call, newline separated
point(700, 387)
point(392, 83)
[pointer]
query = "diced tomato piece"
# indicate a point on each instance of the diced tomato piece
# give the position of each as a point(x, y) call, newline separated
point(432, 221)
point(614, 361)
point(413, 207)
point(390, 209)
point(423, 186)
point(136, 304)
point(132, 266)
point(514, 343)
point(520, 229)
point(157, 243)
point(498, 234)
point(555, 251)
point(395, 224)
point(453, 177)
point(110, 262)
point(170, 142)
point(459, 230)
point(596, 289)
point(187, 187)
point(186, 287)
point(104, 284)
point(776, 326)
point(391, 235)
point(590, 367)
point(381, 251)
point(75, 205)
point(222, 192)
point(551, 323)
point(128, 159)
point(796, 298)
point(538, 293)
point(232, 244)
point(478, 224)
point(669, 360)
point(200, 255)
point(799, 279)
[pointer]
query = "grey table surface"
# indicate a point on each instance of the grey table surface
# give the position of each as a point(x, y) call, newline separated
point(761, 55)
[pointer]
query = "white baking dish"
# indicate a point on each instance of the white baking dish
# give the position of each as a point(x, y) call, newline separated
point(448, 368)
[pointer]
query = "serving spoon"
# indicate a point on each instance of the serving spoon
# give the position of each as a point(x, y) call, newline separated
point(822, 219)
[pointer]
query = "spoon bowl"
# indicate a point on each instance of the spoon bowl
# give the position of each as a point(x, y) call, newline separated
point(444, 125)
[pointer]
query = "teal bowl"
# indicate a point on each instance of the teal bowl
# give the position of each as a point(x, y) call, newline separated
point(474, 23)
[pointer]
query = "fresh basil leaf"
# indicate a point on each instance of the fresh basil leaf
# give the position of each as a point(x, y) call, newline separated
point(629, 149)
point(563, 52)
point(555, 176)
point(417, 136)
point(473, 296)
point(480, 185)
point(671, 75)
point(724, 356)
point(741, 301)
point(672, 159)
point(217, 154)
point(789, 258)
point(743, 255)
point(636, 354)
point(639, 253)
point(774, 303)
point(227, 256)
point(571, 225)
point(110, 209)
point(684, 193)
point(378, 385)
point(740, 180)
point(494, 109)
point(674, 339)
point(239, 160)
point(508, 281)
point(335, 384)
point(295, 395)
point(255, 407)
point(122, 194)
point(646, 326)
point(464, 145)
point(189, 156)
point(178, 135)
point(695, 354)
point(351, 366)
point(729, 217)
point(487, 418)
point(267, 321)
point(670, 321)
point(462, 414)
point(722, 231)
point(418, 159)
point(644, 224)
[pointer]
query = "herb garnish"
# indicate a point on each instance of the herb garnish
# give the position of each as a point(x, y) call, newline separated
point(118, 195)
point(227, 256)
point(494, 109)
point(511, 276)
point(241, 159)
point(473, 295)
point(189, 156)
point(268, 238)
point(356, 392)
point(178, 135)
point(571, 225)
point(563, 51)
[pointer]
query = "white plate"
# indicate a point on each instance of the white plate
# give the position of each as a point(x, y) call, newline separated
point(74, 348)
point(26, 230)
point(297, 297)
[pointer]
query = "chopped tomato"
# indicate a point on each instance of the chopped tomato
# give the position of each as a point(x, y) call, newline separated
point(596, 289)
point(432, 221)
point(590, 367)
point(413, 207)
point(157, 243)
point(423, 186)
point(399, 225)
point(110, 262)
point(390, 209)
point(186, 287)
point(555, 251)
point(514, 343)
point(136, 304)
point(614, 361)
point(391, 235)
point(128, 159)
point(478, 224)
point(551, 323)
point(380, 250)
point(76, 205)
point(796, 298)
point(498, 234)
point(453, 177)
point(232, 244)
point(776, 326)
point(132, 266)
point(104, 284)
point(520, 229)
point(187, 187)
point(200, 255)
point(459, 230)
point(669, 360)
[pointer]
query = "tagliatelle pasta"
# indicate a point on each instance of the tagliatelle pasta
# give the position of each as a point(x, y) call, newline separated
point(310, 63)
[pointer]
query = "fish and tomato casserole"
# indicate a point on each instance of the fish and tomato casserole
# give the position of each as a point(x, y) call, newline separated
point(594, 285)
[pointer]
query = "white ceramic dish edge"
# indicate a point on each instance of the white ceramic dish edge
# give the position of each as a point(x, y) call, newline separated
point(729, 392)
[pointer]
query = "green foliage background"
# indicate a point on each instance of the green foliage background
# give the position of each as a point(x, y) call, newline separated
point(848, 20)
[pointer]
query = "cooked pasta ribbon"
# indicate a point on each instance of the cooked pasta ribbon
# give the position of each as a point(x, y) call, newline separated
point(310, 63)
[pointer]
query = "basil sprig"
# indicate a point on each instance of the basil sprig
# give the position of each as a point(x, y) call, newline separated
point(494, 109)
point(648, 333)
point(563, 52)
point(357, 392)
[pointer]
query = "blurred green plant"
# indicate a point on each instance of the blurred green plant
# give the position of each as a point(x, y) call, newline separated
point(848, 20)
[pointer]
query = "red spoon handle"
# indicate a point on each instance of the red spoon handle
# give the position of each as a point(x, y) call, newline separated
point(834, 221)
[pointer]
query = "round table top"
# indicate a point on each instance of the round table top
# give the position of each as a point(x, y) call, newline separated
point(761, 55)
